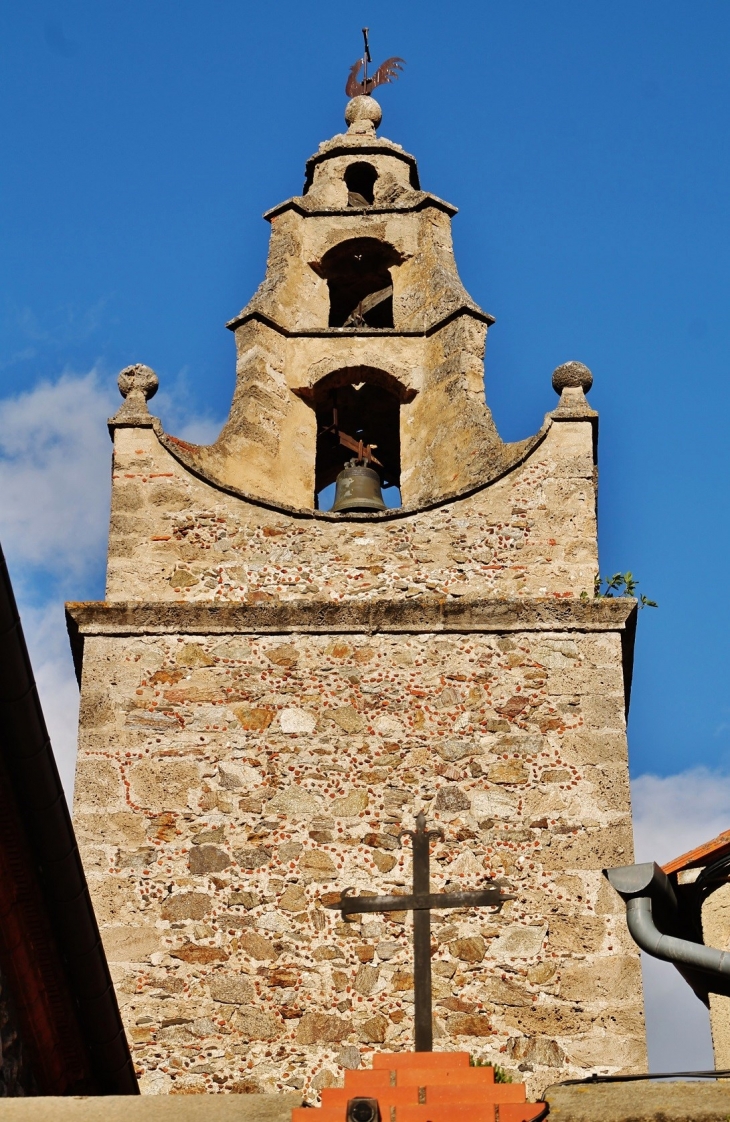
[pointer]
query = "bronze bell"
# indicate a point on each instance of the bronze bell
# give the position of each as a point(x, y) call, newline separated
point(358, 489)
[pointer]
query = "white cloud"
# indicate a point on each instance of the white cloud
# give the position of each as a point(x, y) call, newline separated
point(55, 471)
point(50, 655)
point(677, 1023)
point(675, 813)
point(54, 475)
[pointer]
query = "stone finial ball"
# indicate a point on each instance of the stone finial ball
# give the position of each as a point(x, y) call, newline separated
point(574, 375)
point(363, 108)
point(138, 377)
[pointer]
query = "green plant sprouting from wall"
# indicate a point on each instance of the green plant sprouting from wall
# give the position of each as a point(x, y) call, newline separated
point(501, 1075)
point(620, 584)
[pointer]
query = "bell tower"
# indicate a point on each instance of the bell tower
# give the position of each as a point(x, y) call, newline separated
point(272, 689)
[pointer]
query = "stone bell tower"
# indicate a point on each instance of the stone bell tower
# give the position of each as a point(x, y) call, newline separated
point(270, 690)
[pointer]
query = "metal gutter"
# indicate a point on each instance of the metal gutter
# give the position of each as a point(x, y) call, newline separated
point(35, 789)
point(657, 925)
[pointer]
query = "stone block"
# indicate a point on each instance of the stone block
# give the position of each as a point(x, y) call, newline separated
point(469, 1024)
point(641, 1102)
point(317, 864)
point(609, 979)
point(186, 905)
point(508, 771)
point(253, 719)
point(231, 989)
point(317, 1028)
point(351, 805)
point(451, 800)
point(297, 802)
point(207, 859)
point(366, 979)
point(192, 655)
point(517, 941)
point(98, 784)
point(160, 785)
point(130, 943)
point(471, 948)
point(576, 934)
point(374, 1029)
point(258, 947)
point(535, 1050)
point(253, 1024)
point(347, 718)
point(294, 720)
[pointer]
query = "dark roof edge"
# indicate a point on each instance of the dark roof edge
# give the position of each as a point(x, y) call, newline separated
point(628, 643)
point(346, 333)
point(348, 212)
point(38, 793)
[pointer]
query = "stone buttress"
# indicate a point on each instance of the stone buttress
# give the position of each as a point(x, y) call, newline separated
point(270, 690)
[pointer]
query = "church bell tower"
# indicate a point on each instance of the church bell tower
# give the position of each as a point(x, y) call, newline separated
point(273, 689)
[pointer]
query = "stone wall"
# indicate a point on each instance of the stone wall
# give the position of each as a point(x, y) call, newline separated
point(270, 692)
point(531, 533)
point(229, 786)
point(715, 928)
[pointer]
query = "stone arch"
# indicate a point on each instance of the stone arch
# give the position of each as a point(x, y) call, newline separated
point(360, 284)
point(352, 405)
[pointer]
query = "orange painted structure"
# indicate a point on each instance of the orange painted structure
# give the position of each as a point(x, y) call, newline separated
point(427, 1087)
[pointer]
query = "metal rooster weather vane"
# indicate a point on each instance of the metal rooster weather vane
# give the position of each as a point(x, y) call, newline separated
point(386, 72)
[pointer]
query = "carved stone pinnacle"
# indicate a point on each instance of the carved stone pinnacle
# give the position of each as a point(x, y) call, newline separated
point(138, 379)
point(573, 375)
point(136, 384)
point(363, 114)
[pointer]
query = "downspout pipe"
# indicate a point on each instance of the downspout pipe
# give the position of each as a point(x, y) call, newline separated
point(655, 923)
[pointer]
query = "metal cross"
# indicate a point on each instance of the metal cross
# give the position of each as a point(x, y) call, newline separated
point(420, 903)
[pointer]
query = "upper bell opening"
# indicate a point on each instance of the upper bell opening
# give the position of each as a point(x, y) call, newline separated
point(357, 272)
point(360, 179)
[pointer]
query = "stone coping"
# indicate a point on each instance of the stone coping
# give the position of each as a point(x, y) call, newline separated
point(151, 1108)
point(506, 459)
point(644, 1101)
point(418, 616)
point(295, 203)
point(252, 312)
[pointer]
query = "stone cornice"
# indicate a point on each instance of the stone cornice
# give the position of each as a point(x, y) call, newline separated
point(295, 204)
point(359, 332)
point(418, 615)
point(422, 615)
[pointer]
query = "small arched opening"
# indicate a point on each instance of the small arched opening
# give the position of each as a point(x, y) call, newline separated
point(360, 180)
point(358, 276)
point(358, 409)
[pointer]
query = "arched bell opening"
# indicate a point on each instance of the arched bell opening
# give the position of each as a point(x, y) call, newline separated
point(358, 417)
point(360, 180)
point(360, 284)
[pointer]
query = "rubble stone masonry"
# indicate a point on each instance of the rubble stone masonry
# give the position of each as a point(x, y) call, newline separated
point(270, 693)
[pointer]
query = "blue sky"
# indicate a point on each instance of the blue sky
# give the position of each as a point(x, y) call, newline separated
point(587, 148)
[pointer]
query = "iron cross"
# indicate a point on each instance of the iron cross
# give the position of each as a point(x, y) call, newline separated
point(420, 903)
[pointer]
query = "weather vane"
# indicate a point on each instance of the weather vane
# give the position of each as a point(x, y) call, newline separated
point(386, 72)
